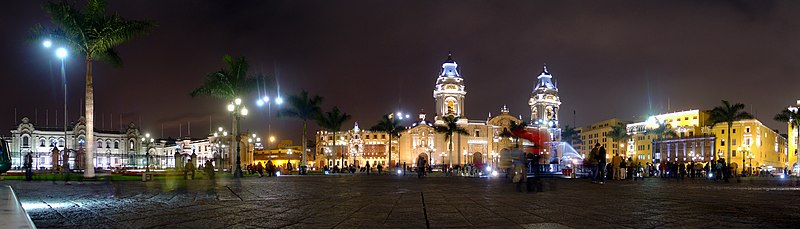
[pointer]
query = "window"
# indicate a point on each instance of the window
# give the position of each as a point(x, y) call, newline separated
point(733, 142)
point(60, 142)
point(723, 131)
point(41, 142)
point(116, 144)
point(722, 142)
point(734, 153)
point(99, 144)
point(686, 118)
point(477, 133)
point(130, 144)
point(747, 129)
point(648, 147)
point(25, 141)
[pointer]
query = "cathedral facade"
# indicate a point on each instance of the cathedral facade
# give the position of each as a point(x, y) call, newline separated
point(481, 145)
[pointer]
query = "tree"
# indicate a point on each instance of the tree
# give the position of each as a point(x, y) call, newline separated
point(619, 133)
point(570, 134)
point(303, 107)
point(332, 121)
point(94, 35)
point(392, 127)
point(663, 131)
point(792, 117)
point(449, 129)
point(728, 113)
point(229, 84)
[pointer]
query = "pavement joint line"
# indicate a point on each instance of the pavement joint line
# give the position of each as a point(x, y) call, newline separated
point(234, 193)
point(425, 210)
point(59, 213)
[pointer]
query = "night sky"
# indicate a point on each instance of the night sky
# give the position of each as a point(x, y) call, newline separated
point(610, 58)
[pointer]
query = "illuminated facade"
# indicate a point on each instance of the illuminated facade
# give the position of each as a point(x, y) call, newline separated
point(792, 137)
point(597, 133)
point(752, 141)
point(481, 145)
point(643, 143)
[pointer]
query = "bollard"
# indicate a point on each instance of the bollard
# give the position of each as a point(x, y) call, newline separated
point(144, 177)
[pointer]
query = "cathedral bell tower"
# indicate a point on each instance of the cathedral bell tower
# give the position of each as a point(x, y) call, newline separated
point(544, 102)
point(449, 92)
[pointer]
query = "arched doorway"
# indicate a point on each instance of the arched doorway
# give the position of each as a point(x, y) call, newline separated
point(477, 158)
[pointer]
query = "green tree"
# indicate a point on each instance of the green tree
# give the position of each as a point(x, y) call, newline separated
point(792, 117)
point(728, 113)
point(94, 35)
point(570, 134)
point(392, 127)
point(230, 84)
point(619, 133)
point(332, 121)
point(306, 108)
point(449, 129)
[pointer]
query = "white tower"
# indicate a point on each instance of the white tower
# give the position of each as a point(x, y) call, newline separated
point(449, 92)
point(544, 102)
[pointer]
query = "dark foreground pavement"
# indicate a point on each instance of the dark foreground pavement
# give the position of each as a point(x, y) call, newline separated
point(373, 202)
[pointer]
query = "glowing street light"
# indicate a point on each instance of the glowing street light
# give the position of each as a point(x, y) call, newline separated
point(271, 138)
point(47, 43)
point(61, 53)
point(279, 100)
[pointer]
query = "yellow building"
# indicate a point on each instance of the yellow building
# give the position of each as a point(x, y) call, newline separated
point(792, 137)
point(597, 133)
point(753, 145)
point(688, 124)
point(285, 152)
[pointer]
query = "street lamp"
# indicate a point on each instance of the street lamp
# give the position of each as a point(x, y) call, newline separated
point(238, 110)
point(266, 100)
point(218, 138)
point(62, 54)
point(148, 142)
point(751, 156)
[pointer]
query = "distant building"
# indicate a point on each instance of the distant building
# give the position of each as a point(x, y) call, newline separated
point(597, 134)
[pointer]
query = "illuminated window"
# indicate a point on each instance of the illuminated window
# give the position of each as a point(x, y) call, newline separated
point(25, 141)
point(722, 142)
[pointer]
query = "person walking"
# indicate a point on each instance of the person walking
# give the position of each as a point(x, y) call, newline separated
point(270, 168)
point(289, 168)
point(369, 168)
point(593, 161)
point(380, 168)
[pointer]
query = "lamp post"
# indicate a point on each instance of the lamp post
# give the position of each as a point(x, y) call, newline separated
point(61, 53)
point(238, 110)
point(442, 154)
point(744, 155)
point(148, 142)
point(218, 136)
point(751, 156)
point(267, 101)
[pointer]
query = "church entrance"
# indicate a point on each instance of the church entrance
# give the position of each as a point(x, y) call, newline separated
point(425, 157)
point(477, 158)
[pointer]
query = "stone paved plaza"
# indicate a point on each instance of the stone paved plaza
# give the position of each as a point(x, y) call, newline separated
point(391, 201)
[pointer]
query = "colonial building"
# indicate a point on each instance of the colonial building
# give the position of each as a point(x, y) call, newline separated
point(597, 133)
point(793, 135)
point(481, 144)
point(117, 149)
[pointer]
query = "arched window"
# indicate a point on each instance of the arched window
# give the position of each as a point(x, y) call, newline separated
point(131, 144)
point(41, 142)
point(108, 144)
point(25, 141)
point(61, 142)
point(116, 144)
point(99, 144)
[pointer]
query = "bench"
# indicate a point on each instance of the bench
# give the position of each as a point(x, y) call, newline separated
point(12, 215)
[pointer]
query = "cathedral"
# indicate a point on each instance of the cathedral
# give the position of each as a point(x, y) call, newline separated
point(480, 146)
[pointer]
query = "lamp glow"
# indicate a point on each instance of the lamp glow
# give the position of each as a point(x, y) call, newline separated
point(271, 138)
point(260, 103)
point(61, 53)
point(279, 100)
point(244, 111)
point(147, 135)
point(238, 101)
point(225, 133)
point(47, 43)
point(220, 129)
point(231, 107)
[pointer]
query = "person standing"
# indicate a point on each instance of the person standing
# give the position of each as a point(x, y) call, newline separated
point(369, 168)
point(190, 167)
point(209, 169)
point(289, 167)
point(593, 161)
point(616, 163)
point(420, 167)
point(380, 168)
point(601, 163)
point(260, 169)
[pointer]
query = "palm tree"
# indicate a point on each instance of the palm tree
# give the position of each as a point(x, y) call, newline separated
point(450, 128)
point(570, 134)
point(791, 116)
point(618, 133)
point(392, 127)
point(303, 107)
point(230, 84)
point(94, 35)
point(728, 113)
point(332, 121)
